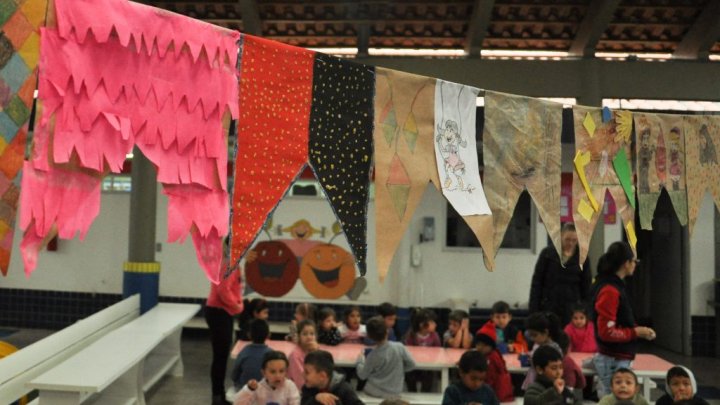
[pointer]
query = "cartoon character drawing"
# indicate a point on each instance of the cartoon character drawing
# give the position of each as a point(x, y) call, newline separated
point(449, 142)
point(707, 147)
point(675, 169)
point(644, 157)
point(301, 232)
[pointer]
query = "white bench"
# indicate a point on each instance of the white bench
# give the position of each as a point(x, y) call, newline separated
point(26, 364)
point(120, 366)
point(413, 398)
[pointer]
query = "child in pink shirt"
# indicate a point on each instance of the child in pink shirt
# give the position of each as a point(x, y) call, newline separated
point(306, 344)
point(581, 332)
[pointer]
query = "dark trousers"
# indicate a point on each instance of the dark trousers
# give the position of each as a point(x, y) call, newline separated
point(220, 324)
point(426, 378)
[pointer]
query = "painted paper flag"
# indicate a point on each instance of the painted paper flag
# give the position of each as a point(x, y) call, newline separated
point(275, 97)
point(455, 148)
point(660, 151)
point(521, 150)
point(340, 149)
point(405, 160)
point(598, 172)
point(116, 74)
point(20, 21)
point(702, 140)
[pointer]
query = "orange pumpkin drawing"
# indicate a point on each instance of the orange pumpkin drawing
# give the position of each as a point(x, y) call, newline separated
point(274, 271)
point(327, 271)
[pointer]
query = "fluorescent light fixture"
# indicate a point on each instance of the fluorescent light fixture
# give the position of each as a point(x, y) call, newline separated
point(516, 54)
point(415, 52)
point(715, 57)
point(336, 51)
point(624, 55)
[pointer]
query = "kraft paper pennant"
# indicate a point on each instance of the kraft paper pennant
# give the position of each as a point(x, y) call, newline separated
point(521, 149)
point(660, 151)
point(341, 125)
point(117, 74)
point(20, 21)
point(404, 138)
point(455, 148)
point(272, 148)
point(600, 173)
point(702, 140)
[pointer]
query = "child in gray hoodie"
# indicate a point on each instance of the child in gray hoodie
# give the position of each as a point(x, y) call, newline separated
point(680, 385)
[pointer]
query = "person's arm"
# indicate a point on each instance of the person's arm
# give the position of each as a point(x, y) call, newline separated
point(467, 337)
point(307, 396)
point(293, 394)
point(451, 396)
point(246, 396)
point(365, 365)
point(536, 394)
point(538, 279)
point(347, 395)
point(606, 307)
point(586, 281)
point(408, 361)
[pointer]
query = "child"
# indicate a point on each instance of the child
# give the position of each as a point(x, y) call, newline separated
point(549, 387)
point(385, 366)
point(581, 332)
point(624, 386)
point(498, 377)
point(322, 385)
point(572, 374)
point(421, 333)
point(249, 361)
point(274, 388)
point(471, 389)
point(255, 309)
point(389, 312)
point(306, 344)
point(328, 333)
point(303, 311)
point(352, 331)
point(543, 329)
point(509, 339)
point(680, 386)
point(458, 334)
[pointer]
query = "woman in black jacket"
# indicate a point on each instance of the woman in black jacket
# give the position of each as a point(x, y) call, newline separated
point(556, 288)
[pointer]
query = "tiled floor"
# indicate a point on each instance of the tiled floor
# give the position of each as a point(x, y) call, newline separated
point(194, 387)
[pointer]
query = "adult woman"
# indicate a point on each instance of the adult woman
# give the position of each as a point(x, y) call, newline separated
point(615, 328)
point(556, 288)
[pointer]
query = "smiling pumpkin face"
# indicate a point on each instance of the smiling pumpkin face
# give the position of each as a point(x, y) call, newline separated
point(274, 271)
point(327, 271)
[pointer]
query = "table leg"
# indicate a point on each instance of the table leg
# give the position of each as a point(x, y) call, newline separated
point(444, 379)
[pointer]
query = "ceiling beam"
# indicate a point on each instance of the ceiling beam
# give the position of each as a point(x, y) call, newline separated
point(702, 35)
point(597, 18)
point(251, 17)
point(479, 23)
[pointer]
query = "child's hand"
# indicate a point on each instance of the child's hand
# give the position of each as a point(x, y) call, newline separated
point(644, 332)
point(681, 396)
point(326, 398)
point(465, 324)
point(559, 385)
point(252, 384)
point(250, 256)
point(312, 346)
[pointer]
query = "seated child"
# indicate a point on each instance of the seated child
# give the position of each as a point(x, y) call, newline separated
point(572, 373)
point(303, 311)
point(581, 332)
point(328, 333)
point(384, 367)
point(543, 329)
point(306, 344)
point(389, 312)
point(421, 333)
point(497, 377)
point(274, 388)
point(248, 363)
point(509, 339)
point(549, 387)
point(324, 386)
point(256, 309)
point(624, 387)
point(352, 330)
point(471, 388)
point(680, 385)
point(458, 335)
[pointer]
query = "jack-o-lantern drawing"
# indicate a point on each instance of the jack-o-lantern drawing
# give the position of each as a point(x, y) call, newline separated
point(327, 271)
point(274, 270)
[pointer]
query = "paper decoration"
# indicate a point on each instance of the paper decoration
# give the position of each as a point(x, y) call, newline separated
point(272, 145)
point(630, 231)
point(606, 114)
point(521, 149)
point(115, 74)
point(581, 160)
point(604, 142)
point(589, 125)
point(19, 51)
point(624, 173)
point(328, 271)
point(623, 126)
point(340, 149)
point(274, 271)
point(660, 151)
point(455, 148)
point(702, 140)
point(585, 210)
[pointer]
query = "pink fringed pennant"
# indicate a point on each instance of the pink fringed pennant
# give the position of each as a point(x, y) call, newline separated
point(117, 74)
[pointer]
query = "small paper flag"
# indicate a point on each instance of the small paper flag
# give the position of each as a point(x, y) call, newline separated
point(606, 114)
point(632, 238)
point(585, 210)
point(581, 160)
point(622, 169)
point(589, 124)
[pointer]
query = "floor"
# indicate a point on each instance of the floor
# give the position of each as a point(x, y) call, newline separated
point(194, 387)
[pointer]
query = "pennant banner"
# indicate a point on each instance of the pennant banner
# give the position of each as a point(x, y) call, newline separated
point(341, 125)
point(115, 74)
point(20, 21)
point(521, 149)
point(660, 151)
point(601, 165)
point(702, 140)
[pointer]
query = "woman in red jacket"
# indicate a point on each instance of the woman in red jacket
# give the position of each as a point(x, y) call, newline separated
point(615, 329)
